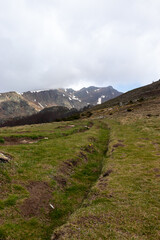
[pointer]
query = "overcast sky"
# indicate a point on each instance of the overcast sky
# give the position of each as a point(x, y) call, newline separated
point(74, 43)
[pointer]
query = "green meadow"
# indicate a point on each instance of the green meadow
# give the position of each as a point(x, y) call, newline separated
point(85, 179)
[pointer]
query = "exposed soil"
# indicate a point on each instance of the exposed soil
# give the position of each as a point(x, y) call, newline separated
point(22, 132)
point(107, 173)
point(18, 140)
point(118, 145)
point(83, 129)
point(65, 127)
point(83, 156)
point(102, 183)
point(38, 202)
point(68, 166)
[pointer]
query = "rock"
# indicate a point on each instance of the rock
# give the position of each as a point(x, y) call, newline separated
point(4, 158)
point(24, 141)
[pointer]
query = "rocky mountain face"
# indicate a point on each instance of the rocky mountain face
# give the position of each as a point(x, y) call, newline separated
point(70, 98)
point(13, 104)
point(95, 95)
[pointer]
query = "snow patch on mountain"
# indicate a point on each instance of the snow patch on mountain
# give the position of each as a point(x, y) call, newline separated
point(40, 105)
point(99, 100)
point(97, 90)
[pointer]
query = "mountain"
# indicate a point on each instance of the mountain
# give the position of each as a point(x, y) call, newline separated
point(56, 97)
point(139, 94)
point(95, 95)
point(70, 98)
point(14, 104)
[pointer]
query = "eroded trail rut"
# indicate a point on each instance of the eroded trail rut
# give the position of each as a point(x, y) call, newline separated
point(75, 179)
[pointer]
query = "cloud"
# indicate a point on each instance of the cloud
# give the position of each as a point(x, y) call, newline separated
point(59, 43)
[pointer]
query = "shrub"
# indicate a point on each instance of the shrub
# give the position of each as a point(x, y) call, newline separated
point(2, 234)
point(2, 140)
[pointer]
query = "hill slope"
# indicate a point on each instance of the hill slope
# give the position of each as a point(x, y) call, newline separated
point(146, 92)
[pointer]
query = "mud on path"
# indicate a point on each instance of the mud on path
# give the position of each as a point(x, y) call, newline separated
point(38, 201)
point(20, 140)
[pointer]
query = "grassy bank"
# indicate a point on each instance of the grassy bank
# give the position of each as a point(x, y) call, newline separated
point(124, 202)
point(49, 175)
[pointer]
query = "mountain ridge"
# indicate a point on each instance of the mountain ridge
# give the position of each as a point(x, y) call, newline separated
point(14, 104)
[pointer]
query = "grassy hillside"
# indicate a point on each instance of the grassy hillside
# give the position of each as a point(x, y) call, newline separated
point(124, 202)
point(51, 166)
point(86, 179)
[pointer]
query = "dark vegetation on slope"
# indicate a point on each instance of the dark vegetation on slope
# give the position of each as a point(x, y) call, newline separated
point(45, 116)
